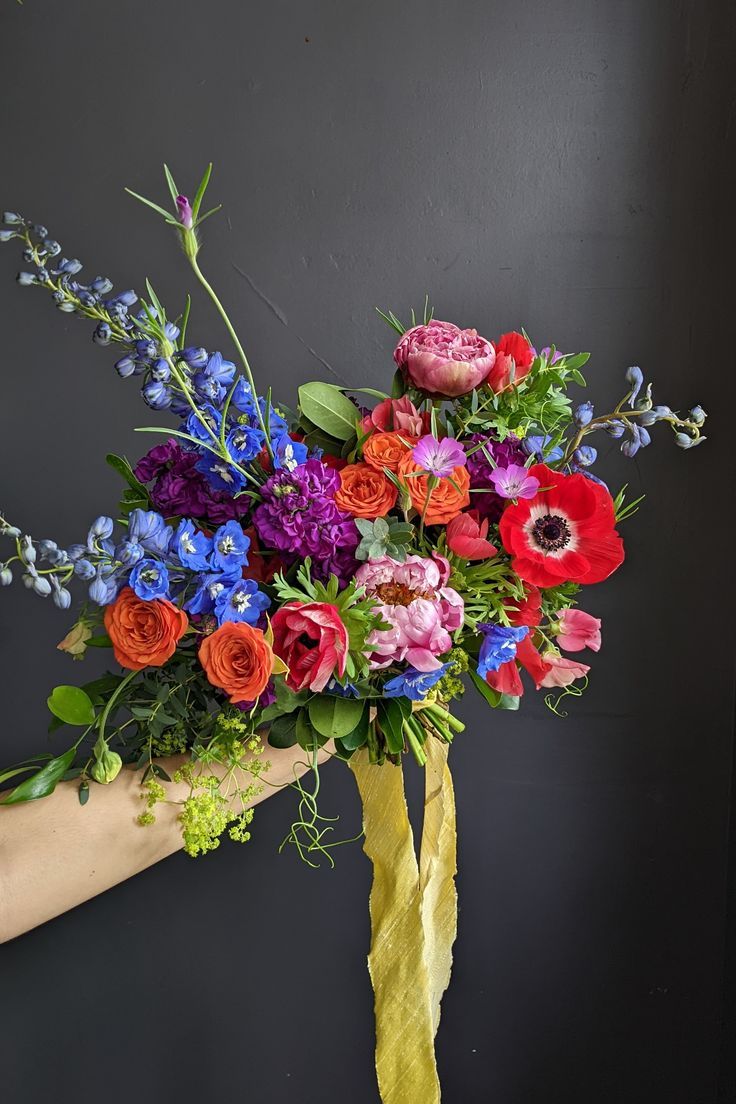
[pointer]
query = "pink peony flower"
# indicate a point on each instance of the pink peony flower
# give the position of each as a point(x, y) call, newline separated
point(414, 598)
point(312, 640)
point(397, 414)
point(444, 360)
point(578, 630)
point(562, 671)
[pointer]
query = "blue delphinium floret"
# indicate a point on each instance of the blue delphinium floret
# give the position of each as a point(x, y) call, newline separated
point(498, 646)
point(413, 684)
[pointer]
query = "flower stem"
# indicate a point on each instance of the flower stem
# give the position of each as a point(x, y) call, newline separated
point(236, 341)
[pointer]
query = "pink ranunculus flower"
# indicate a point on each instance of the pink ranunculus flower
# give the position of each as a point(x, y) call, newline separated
point(422, 610)
point(400, 415)
point(444, 360)
point(578, 630)
point(562, 671)
point(312, 640)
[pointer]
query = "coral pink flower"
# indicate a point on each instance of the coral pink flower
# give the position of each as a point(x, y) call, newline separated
point(422, 610)
point(312, 641)
point(400, 415)
point(562, 671)
point(444, 360)
point(466, 537)
point(578, 630)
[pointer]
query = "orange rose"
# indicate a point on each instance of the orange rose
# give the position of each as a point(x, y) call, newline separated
point(386, 450)
point(365, 492)
point(238, 659)
point(445, 501)
point(143, 634)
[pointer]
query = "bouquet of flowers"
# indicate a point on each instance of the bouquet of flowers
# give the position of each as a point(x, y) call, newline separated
point(336, 575)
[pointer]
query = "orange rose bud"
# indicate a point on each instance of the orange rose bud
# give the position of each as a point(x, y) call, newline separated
point(445, 501)
point(237, 659)
point(143, 634)
point(365, 492)
point(387, 450)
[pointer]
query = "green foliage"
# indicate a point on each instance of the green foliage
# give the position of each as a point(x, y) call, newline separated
point(329, 409)
point(71, 705)
point(136, 494)
point(384, 537)
point(335, 717)
point(43, 782)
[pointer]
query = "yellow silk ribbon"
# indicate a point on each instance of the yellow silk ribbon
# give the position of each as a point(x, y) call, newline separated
point(413, 910)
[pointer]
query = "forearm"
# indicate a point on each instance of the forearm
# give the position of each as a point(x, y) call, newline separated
point(56, 853)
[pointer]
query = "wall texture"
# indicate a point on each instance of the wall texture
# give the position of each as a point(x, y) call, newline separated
point(560, 164)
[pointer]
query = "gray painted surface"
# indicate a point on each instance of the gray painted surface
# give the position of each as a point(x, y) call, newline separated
point(554, 164)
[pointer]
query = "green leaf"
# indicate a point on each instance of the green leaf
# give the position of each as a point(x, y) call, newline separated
point(335, 717)
point(44, 782)
point(492, 696)
point(355, 739)
point(13, 771)
point(199, 196)
point(282, 733)
point(577, 361)
point(330, 410)
point(83, 793)
point(307, 735)
point(100, 641)
point(151, 204)
point(71, 705)
point(369, 391)
point(391, 715)
point(170, 181)
point(122, 467)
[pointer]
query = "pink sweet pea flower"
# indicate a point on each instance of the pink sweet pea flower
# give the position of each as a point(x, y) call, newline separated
point(514, 482)
point(562, 671)
point(466, 537)
point(578, 630)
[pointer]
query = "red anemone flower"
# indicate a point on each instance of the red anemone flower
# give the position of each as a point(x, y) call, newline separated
point(565, 533)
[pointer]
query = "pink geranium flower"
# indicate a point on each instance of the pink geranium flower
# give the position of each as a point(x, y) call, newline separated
point(439, 458)
point(578, 630)
point(514, 481)
point(422, 610)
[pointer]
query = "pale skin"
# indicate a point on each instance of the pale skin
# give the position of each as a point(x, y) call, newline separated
point(56, 853)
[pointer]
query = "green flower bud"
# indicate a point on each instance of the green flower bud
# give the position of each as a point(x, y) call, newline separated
point(106, 767)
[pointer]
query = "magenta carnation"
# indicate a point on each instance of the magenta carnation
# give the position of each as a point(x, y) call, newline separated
point(414, 598)
point(444, 360)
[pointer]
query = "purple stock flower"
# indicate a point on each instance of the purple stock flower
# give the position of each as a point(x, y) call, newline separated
point(484, 496)
point(439, 458)
point(514, 481)
point(184, 211)
point(299, 518)
point(180, 490)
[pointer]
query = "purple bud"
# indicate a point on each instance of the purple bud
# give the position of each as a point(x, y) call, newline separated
point(615, 429)
point(585, 456)
point(195, 356)
point(184, 211)
point(635, 377)
point(125, 367)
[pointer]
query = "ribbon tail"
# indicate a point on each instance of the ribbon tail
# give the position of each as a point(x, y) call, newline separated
point(405, 1061)
point(437, 869)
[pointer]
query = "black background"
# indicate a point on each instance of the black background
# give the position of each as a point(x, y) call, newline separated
point(561, 165)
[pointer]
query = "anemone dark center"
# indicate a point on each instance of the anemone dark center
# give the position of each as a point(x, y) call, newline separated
point(551, 532)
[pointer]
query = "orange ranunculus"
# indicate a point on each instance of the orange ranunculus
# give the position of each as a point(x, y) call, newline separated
point(386, 450)
point(445, 501)
point(143, 634)
point(238, 659)
point(365, 492)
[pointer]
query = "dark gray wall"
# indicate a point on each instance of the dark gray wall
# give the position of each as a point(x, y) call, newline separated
point(560, 164)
